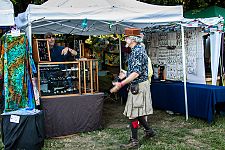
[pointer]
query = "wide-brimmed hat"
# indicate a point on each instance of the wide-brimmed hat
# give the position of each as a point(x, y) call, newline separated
point(132, 32)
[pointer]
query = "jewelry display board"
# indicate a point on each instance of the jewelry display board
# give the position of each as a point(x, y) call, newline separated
point(41, 52)
point(165, 49)
point(59, 78)
point(73, 78)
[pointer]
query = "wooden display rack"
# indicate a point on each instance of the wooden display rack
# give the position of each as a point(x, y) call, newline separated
point(81, 47)
point(89, 73)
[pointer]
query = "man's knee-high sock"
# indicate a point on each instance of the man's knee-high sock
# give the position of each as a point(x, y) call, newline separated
point(143, 122)
point(134, 128)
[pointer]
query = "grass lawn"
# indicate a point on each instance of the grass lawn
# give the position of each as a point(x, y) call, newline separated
point(173, 133)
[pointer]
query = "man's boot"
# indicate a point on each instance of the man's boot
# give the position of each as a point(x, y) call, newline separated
point(149, 133)
point(133, 144)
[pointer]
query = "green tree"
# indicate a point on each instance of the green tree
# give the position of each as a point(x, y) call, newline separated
point(188, 4)
point(21, 5)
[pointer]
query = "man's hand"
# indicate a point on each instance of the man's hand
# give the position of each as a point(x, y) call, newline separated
point(122, 75)
point(117, 86)
point(67, 49)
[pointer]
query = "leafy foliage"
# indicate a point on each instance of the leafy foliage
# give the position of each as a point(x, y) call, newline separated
point(21, 5)
point(188, 4)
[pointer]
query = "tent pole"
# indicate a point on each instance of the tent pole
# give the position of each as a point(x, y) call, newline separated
point(29, 34)
point(120, 53)
point(120, 49)
point(29, 31)
point(222, 59)
point(184, 71)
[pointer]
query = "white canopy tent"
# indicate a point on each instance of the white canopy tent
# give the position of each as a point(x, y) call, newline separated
point(66, 16)
point(102, 16)
point(6, 13)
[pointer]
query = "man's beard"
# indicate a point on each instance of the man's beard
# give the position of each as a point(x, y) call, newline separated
point(127, 45)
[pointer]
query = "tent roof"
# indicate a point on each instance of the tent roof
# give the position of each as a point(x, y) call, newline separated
point(85, 4)
point(213, 11)
point(103, 16)
point(6, 13)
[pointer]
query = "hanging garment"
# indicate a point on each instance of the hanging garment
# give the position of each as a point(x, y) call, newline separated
point(15, 70)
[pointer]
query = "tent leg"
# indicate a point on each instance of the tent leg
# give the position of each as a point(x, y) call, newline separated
point(120, 54)
point(222, 59)
point(29, 34)
point(120, 49)
point(184, 72)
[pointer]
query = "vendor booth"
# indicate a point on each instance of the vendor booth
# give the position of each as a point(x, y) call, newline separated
point(164, 47)
point(104, 17)
point(85, 18)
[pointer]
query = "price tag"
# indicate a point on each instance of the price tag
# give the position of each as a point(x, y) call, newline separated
point(15, 32)
point(14, 118)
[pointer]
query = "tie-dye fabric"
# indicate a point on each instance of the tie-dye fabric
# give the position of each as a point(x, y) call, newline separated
point(15, 70)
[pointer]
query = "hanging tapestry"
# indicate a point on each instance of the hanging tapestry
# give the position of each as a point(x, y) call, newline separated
point(15, 70)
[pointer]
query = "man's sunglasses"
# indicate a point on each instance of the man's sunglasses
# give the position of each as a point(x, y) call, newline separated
point(50, 36)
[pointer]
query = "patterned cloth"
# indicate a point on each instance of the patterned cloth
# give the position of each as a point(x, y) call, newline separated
point(15, 70)
point(138, 62)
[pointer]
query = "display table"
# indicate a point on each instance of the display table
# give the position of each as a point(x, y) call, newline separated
point(71, 114)
point(201, 98)
point(26, 134)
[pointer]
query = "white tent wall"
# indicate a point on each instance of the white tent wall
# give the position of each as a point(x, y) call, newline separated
point(215, 40)
point(6, 13)
point(168, 52)
point(197, 75)
point(165, 49)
